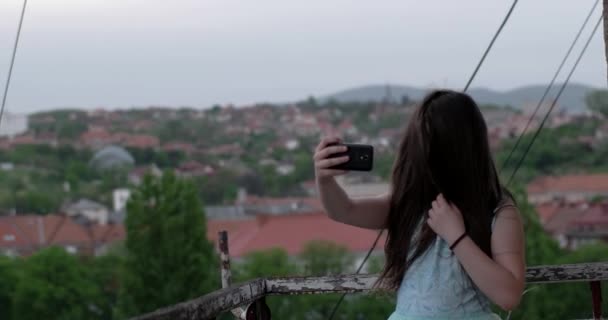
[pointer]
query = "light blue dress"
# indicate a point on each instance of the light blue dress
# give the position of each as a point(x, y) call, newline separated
point(436, 287)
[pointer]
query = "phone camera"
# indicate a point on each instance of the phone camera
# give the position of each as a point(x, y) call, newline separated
point(364, 157)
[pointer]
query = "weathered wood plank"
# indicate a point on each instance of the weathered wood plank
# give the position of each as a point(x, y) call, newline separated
point(568, 273)
point(318, 285)
point(210, 305)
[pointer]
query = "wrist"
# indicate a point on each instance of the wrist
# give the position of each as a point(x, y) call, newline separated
point(456, 242)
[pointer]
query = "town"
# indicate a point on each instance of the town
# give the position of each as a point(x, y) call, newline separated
point(253, 165)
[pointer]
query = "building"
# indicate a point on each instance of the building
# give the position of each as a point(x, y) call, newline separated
point(569, 188)
point(112, 157)
point(120, 197)
point(575, 224)
point(23, 235)
point(12, 125)
point(89, 211)
point(136, 175)
point(291, 233)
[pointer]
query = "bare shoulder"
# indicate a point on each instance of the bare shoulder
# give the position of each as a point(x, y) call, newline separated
point(508, 234)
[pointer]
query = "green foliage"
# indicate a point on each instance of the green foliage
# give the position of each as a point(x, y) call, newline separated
point(8, 283)
point(267, 263)
point(555, 151)
point(106, 272)
point(70, 129)
point(169, 259)
point(324, 258)
point(218, 188)
point(159, 158)
point(383, 165)
point(598, 101)
point(37, 202)
point(54, 285)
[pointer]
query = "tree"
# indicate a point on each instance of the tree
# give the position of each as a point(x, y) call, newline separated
point(8, 283)
point(38, 202)
point(55, 285)
point(269, 263)
point(597, 100)
point(169, 259)
point(106, 274)
point(323, 258)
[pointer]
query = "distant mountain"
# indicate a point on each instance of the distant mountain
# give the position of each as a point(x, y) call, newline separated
point(572, 99)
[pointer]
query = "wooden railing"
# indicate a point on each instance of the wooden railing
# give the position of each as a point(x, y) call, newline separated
point(247, 300)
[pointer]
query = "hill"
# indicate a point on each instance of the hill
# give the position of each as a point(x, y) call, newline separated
point(572, 99)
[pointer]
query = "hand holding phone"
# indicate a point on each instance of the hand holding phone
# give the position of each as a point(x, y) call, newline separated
point(334, 158)
point(360, 157)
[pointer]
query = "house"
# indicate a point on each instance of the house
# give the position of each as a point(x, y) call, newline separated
point(97, 137)
point(12, 125)
point(140, 141)
point(25, 234)
point(590, 227)
point(24, 139)
point(576, 224)
point(186, 148)
point(103, 236)
point(120, 197)
point(136, 176)
point(601, 133)
point(194, 169)
point(276, 206)
point(226, 149)
point(285, 168)
point(89, 210)
point(559, 223)
point(569, 188)
point(291, 233)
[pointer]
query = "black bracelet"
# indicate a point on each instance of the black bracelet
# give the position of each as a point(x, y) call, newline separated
point(458, 240)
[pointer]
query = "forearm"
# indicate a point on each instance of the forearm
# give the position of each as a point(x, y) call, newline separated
point(496, 282)
point(336, 202)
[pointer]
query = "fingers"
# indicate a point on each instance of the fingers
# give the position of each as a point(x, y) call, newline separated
point(326, 152)
point(326, 141)
point(326, 163)
point(435, 205)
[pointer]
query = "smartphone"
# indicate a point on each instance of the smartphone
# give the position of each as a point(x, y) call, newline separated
point(360, 157)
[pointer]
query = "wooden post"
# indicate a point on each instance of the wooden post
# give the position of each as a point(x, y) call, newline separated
point(596, 296)
point(226, 274)
point(225, 259)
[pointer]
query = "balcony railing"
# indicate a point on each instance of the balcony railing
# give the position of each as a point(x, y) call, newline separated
point(247, 300)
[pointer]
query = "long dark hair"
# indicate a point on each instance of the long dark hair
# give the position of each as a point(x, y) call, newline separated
point(444, 150)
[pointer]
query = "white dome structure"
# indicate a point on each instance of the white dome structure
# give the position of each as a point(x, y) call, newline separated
point(112, 157)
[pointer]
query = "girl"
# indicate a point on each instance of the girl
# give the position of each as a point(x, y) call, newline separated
point(455, 238)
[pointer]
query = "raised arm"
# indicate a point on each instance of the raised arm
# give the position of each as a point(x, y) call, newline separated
point(370, 213)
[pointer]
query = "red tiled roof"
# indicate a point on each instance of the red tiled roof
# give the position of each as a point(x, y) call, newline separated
point(35, 230)
point(29, 232)
point(547, 210)
point(141, 141)
point(595, 215)
point(290, 232)
point(179, 146)
point(563, 219)
point(24, 139)
point(108, 233)
point(97, 135)
point(570, 183)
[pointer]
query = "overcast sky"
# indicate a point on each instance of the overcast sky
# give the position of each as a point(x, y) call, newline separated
point(123, 53)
